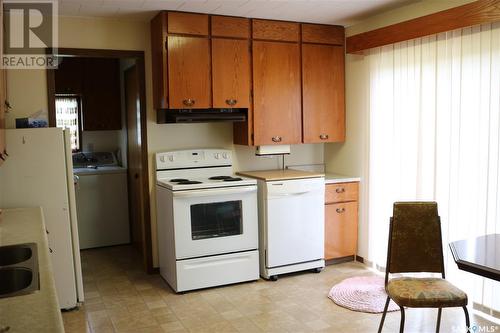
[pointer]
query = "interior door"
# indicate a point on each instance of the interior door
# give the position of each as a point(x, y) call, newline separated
point(323, 93)
point(189, 72)
point(135, 165)
point(277, 95)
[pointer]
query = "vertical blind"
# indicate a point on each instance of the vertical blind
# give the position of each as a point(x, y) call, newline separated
point(434, 115)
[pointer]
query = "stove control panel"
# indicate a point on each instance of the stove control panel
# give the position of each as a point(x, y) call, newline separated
point(192, 158)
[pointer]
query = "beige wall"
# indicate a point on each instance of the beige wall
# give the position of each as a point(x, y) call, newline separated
point(351, 157)
point(28, 93)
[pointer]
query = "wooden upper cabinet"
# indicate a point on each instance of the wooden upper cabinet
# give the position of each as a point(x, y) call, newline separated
point(275, 30)
point(230, 73)
point(189, 72)
point(322, 34)
point(277, 101)
point(101, 101)
point(323, 93)
point(187, 23)
point(68, 76)
point(227, 26)
point(159, 60)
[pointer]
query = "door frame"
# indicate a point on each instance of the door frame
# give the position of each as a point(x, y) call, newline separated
point(139, 58)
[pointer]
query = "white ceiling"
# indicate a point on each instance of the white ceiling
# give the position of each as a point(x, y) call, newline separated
point(343, 12)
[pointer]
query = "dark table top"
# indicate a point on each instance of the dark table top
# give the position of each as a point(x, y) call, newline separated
point(479, 255)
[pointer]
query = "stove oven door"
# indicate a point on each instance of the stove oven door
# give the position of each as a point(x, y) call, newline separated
point(215, 221)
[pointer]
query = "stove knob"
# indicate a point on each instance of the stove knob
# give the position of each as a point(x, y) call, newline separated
point(225, 155)
point(171, 158)
point(162, 159)
point(217, 156)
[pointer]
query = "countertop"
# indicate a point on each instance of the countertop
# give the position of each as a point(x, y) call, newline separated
point(37, 312)
point(99, 171)
point(333, 178)
point(271, 175)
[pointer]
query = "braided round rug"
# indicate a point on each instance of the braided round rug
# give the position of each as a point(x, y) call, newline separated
point(362, 294)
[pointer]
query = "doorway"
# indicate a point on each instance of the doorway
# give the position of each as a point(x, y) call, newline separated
point(97, 114)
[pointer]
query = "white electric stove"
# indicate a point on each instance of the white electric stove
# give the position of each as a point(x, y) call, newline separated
point(207, 220)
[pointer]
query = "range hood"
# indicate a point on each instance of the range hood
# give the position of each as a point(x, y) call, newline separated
point(168, 116)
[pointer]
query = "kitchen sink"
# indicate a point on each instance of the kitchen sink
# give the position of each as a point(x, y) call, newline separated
point(18, 270)
point(15, 279)
point(14, 254)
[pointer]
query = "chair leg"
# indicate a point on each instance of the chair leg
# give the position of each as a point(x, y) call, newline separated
point(438, 324)
point(383, 315)
point(467, 321)
point(402, 324)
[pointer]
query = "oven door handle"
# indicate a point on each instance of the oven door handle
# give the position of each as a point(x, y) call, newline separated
point(214, 192)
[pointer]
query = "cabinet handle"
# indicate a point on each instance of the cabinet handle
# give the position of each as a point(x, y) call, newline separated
point(340, 190)
point(340, 210)
point(231, 102)
point(323, 136)
point(277, 138)
point(188, 102)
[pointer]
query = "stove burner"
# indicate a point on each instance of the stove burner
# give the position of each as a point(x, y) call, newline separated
point(220, 177)
point(178, 180)
point(232, 179)
point(189, 182)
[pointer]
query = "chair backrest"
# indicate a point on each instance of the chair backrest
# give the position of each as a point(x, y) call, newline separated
point(415, 243)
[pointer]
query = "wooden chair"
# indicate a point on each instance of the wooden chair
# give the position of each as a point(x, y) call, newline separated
point(415, 246)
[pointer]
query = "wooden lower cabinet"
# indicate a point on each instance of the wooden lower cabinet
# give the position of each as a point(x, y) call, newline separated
point(341, 228)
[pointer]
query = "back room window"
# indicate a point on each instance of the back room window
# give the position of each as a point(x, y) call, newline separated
point(68, 116)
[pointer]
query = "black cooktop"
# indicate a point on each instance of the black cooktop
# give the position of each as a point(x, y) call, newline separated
point(189, 182)
point(219, 177)
point(232, 179)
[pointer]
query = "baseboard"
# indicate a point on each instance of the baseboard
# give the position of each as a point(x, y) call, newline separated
point(339, 260)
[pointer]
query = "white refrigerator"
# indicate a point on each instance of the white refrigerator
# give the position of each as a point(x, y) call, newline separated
point(39, 172)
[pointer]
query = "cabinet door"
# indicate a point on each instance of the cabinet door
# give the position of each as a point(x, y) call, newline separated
point(276, 86)
point(341, 230)
point(230, 73)
point(189, 72)
point(323, 93)
point(101, 102)
point(69, 76)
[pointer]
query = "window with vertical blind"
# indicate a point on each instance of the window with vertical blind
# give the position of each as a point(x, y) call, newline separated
point(68, 116)
point(434, 122)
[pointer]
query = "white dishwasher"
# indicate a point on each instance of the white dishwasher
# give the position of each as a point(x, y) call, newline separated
point(291, 222)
